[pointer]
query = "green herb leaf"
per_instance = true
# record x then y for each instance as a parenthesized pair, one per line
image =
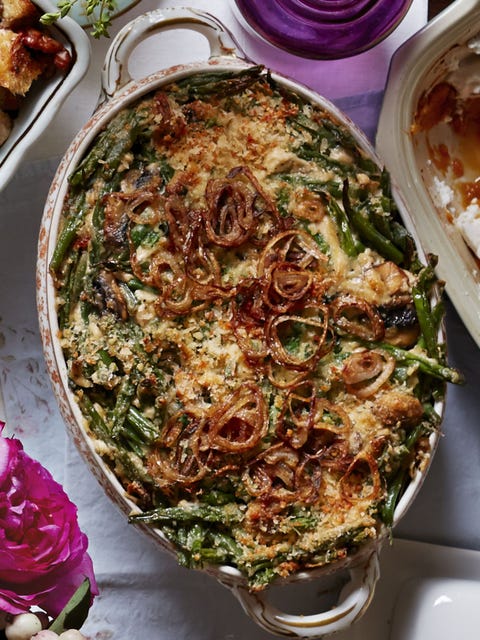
(75, 612)
(100, 12)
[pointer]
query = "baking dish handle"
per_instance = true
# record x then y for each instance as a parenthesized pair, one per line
(353, 600)
(115, 73)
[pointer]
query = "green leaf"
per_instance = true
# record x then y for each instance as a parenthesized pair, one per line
(75, 612)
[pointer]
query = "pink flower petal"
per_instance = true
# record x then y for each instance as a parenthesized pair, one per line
(43, 552)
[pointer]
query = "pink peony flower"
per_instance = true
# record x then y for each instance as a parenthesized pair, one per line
(43, 553)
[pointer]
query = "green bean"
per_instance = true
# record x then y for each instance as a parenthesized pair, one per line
(426, 320)
(129, 297)
(318, 186)
(225, 543)
(304, 521)
(216, 497)
(129, 462)
(110, 148)
(122, 406)
(143, 234)
(303, 123)
(212, 555)
(65, 239)
(400, 478)
(132, 443)
(221, 84)
(385, 217)
(74, 276)
(64, 292)
(78, 278)
(309, 151)
(438, 311)
(97, 245)
(395, 232)
(368, 232)
(263, 575)
(96, 423)
(105, 357)
(195, 542)
(425, 364)
(196, 537)
(190, 513)
(144, 428)
(326, 130)
(348, 242)
(134, 284)
(396, 486)
(166, 170)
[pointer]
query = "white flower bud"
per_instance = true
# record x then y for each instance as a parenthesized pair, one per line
(23, 626)
(46, 634)
(72, 634)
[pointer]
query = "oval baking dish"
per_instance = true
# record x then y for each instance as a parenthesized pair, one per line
(203, 467)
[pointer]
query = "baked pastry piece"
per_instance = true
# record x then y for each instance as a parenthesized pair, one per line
(27, 52)
(18, 67)
(16, 14)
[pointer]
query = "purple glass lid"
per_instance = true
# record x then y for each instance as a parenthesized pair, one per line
(323, 29)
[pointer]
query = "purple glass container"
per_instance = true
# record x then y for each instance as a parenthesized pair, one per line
(323, 29)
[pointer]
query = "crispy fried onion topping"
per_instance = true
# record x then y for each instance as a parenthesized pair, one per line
(295, 247)
(281, 316)
(297, 341)
(366, 371)
(184, 266)
(305, 419)
(315, 445)
(356, 317)
(281, 474)
(314, 438)
(237, 209)
(176, 458)
(277, 317)
(239, 423)
(362, 479)
(192, 444)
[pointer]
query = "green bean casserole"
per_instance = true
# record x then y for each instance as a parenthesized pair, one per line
(247, 325)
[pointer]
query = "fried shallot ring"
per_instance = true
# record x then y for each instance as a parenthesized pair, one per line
(354, 316)
(239, 422)
(176, 458)
(313, 345)
(366, 371)
(294, 246)
(362, 479)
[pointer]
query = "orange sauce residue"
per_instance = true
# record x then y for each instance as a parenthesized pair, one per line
(440, 156)
(443, 104)
(457, 168)
(435, 106)
(469, 191)
(467, 128)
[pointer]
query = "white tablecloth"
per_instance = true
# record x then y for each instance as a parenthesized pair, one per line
(144, 594)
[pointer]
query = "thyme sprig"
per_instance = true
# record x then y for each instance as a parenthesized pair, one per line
(100, 10)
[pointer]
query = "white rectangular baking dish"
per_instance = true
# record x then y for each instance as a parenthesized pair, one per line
(46, 96)
(430, 57)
